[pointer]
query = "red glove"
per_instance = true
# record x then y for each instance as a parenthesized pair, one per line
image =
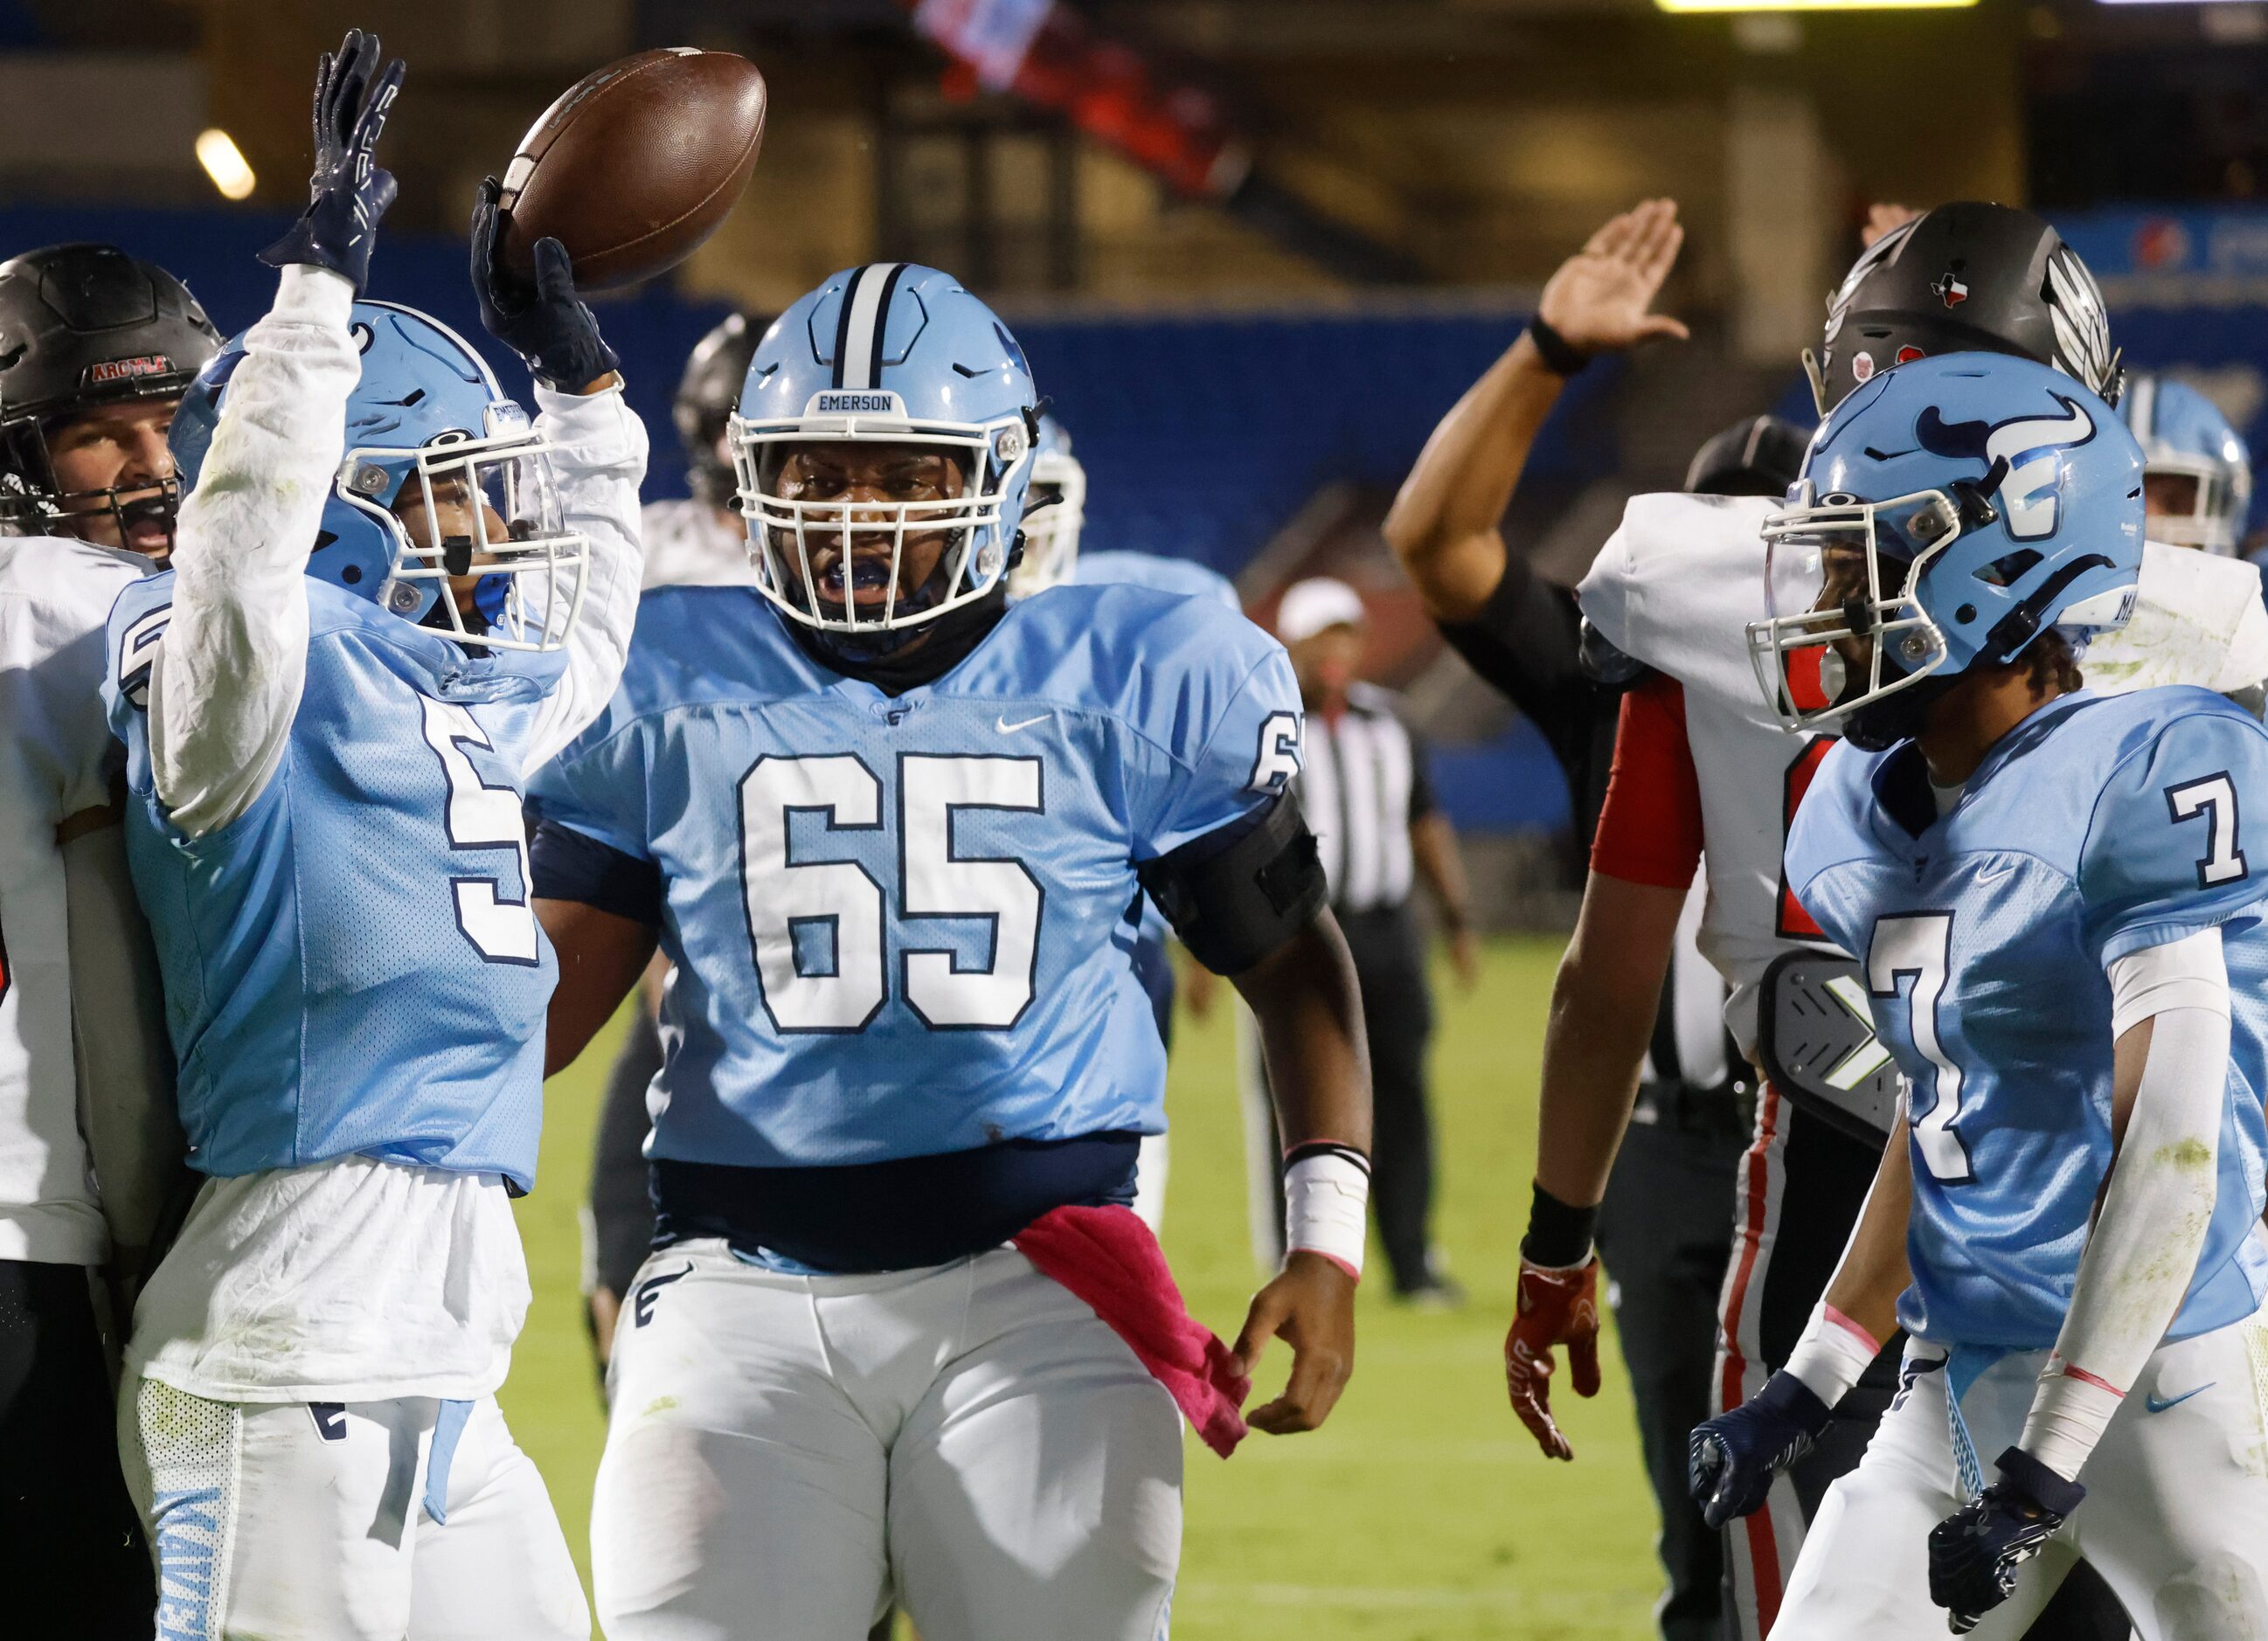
(1555, 1308)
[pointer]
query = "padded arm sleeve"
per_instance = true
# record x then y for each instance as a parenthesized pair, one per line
(227, 678)
(1236, 894)
(2143, 1252)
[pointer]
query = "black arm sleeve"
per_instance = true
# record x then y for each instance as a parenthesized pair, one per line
(1526, 641)
(1238, 892)
(567, 865)
(1423, 800)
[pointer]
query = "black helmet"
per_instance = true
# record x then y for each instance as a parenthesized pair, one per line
(1965, 278)
(1761, 455)
(707, 395)
(82, 326)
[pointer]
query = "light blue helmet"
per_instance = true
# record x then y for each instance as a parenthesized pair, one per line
(427, 428)
(1949, 511)
(896, 354)
(1057, 516)
(2199, 471)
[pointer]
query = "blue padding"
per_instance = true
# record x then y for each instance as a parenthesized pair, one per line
(1511, 783)
(1202, 433)
(448, 1427)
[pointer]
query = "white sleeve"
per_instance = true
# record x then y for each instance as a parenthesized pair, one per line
(124, 1059)
(600, 450)
(228, 674)
(2143, 1251)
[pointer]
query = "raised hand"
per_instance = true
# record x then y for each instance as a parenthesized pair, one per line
(1599, 301)
(346, 192)
(1885, 218)
(544, 321)
(1555, 1308)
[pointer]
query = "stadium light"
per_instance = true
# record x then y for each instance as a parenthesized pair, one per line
(224, 164)
(1814, 5)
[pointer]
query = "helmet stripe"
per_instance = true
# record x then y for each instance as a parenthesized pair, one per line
(2142, 414)
(865, 315)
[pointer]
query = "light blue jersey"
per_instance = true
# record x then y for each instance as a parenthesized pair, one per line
(2097, 827)
(1161, 574)
(351, 965)
(903, 925)
(1158, 572)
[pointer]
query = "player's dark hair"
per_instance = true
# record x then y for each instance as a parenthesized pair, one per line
(2050, 667)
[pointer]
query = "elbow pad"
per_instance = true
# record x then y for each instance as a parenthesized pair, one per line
(1236, 894)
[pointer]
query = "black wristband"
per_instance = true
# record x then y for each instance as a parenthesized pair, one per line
(1558, 1235)
(2043, 1486)
(1561, 356)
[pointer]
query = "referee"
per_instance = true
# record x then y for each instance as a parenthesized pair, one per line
(1363, 789)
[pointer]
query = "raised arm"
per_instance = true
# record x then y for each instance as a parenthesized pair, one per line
(226, 680)
(599, 450)
(1444, 524)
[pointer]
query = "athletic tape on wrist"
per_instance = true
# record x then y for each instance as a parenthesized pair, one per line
(1326, 1193)
(2070, 1411)
(1832, 1353)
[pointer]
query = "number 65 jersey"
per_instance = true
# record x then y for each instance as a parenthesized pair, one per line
(2098, 827)
(903, 924)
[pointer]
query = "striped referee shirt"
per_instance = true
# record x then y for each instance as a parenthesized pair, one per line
(1362, 784)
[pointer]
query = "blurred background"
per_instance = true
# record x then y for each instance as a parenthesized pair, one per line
(1255, 248)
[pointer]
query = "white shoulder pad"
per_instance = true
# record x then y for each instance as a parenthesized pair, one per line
(1678, 585)
(2198, 620)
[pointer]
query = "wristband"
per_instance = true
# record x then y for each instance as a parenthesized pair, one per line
(2070, 1411)
(1561, 356)
(1558, 1234)
(1832, 1353)
(1326, 1190)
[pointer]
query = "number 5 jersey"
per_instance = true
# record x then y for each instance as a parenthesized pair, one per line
(2097, 828)
(325, 827)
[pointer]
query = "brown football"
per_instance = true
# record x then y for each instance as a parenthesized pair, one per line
(635, 164)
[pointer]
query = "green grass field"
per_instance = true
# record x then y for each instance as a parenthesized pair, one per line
(1422, 1513)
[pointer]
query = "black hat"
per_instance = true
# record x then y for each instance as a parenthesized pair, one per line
(82, 326)
(1968, 278)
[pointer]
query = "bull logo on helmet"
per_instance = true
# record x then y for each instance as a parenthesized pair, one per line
(2021, 459)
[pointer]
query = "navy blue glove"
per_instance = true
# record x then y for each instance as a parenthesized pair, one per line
(347, 194)
(1734, 1457)
(1975, 1553)
(546, 323)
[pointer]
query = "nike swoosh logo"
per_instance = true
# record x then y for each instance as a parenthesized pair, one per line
(1006, 728)
(1993, 874)
(2155, 1405)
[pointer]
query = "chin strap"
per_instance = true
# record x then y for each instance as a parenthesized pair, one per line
(917, 656)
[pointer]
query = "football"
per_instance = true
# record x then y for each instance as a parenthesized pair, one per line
(635, 164)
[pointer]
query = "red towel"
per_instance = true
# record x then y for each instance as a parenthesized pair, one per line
(1108, 1258)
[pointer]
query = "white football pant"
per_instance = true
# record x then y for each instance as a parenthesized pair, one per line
(786, 1454)
(2175, 1517)
(290, 1519)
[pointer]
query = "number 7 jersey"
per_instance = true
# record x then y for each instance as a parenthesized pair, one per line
(2098, 827)
(903, 925)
